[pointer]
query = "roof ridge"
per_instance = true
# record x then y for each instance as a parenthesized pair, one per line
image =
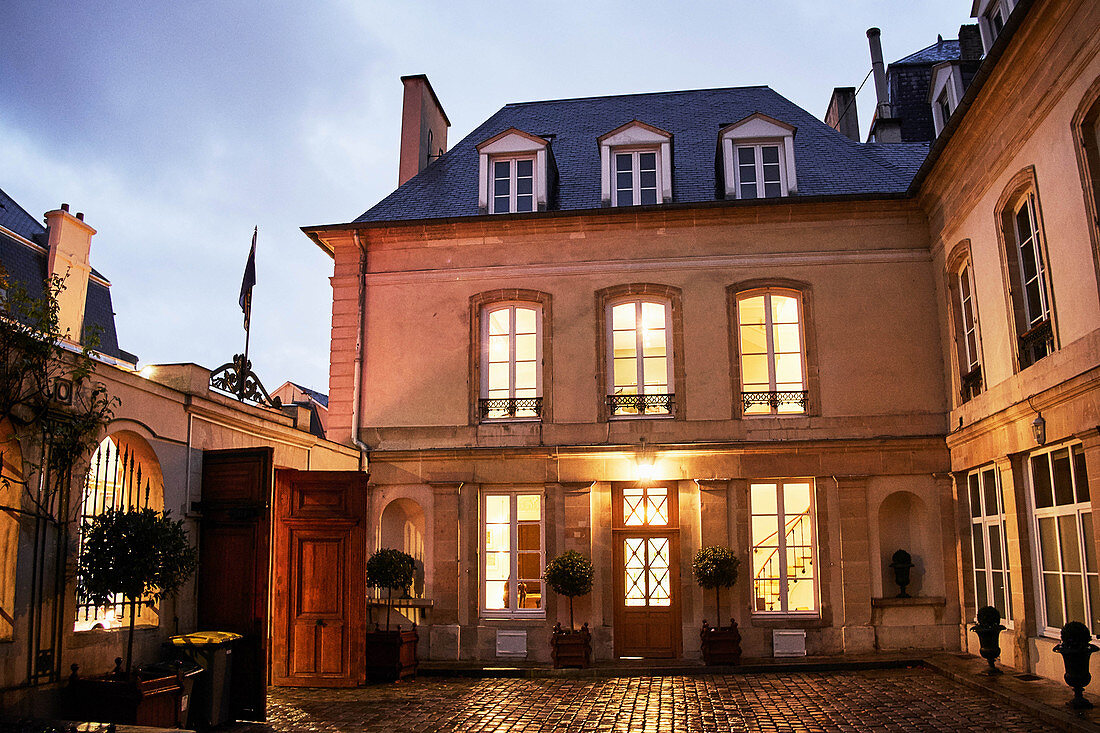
(25, 213)
(905, 59)
(635, 94)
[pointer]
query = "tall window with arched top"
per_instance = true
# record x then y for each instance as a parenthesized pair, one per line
(511, 360)
(124, 473)
(1086, 133)
(1025, 251)
(772, 352)
(640, 366)
(964, 321)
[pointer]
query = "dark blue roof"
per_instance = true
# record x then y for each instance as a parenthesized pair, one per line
(827, 162)
(938, 52)
(319, 397)
(28, 265)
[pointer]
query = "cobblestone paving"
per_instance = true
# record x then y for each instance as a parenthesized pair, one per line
(879, 700)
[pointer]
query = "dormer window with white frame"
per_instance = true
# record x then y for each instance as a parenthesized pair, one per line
(635, 165)
(513, 173)
(757, 154)
(944, 92)
(992, 17)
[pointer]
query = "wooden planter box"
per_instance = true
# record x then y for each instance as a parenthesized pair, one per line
(109, 698)
(391, 655)
(721, 646)
(571, 648)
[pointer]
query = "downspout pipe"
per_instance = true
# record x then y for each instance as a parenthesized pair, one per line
(357, 378)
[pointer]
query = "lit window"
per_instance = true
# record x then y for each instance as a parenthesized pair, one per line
(636, 178)
(645, 506)
(513, 555)
(759, 171)
(123, 474)
(646, 560)
(970, 368)
(1067, 546)
(772, 352)
(511, 361)
(640, 358)
(992, 585)
(513, 185)
(1036, 338)
(783, 547)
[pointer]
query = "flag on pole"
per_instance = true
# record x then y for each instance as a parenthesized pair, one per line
(248, 281)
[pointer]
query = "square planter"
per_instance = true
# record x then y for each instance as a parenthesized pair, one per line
(721, 646)
(156, 701)
(391, 655)
(571, 648)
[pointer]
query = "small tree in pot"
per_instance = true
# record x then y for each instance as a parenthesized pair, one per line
(391, 655)
(143, 556)
(570, 574)
(716, 567)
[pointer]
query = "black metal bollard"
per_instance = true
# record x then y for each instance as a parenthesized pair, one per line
(988, 629)
(1076, 650)
(902, 563)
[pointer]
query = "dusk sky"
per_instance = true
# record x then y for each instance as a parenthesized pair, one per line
(177, 127)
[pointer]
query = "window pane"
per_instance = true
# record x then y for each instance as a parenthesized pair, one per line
(527, 538)
(787, 339)
(748, 191)
(1063, 482)
(498, 348)
(1089, 541)
(626, 373)
(525, 203)
(625, 198)
(526, 347)
(995, 559)
(1094, 602)
(497, 510)
(526, 320)
(648, 196)
(1075, 598)
(496, 594)
(975, 496)
(498, 321)
(526, 375)
(1000, 598)
(623, 316)
(765, 530)
(751, 310)
(497, 565)
(525, 168)
(788, 368)
(1052, 596)
(979, 548)
(784, 309)
(624, 181)
(753, 340)
(501, 169)
(624, 344)
(1080, 476)
(498, 376)
(647, 161)
(530, 591)
(656, 372)
(1040, 475)
(746, 157)
(524, 186)
(765, 561)
(501, 205)
(769, 154)
(796, 499)
(771, 175)
(623, 162)
(653, 343)
(1048, 544)
(981, 595)
(772, 190)
(755, 370)
(1071, 550)
(648, 179)
(762, 499)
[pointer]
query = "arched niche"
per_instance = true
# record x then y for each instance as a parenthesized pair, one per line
(903, 522)
(11, 490)
(402, 528)
(123, 473)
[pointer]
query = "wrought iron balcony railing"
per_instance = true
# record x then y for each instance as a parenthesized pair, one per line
(509, 408)
(971, 384)
(1036, 343)
(641, 404)
(774, 399)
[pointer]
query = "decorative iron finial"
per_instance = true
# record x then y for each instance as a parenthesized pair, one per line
(237, 379)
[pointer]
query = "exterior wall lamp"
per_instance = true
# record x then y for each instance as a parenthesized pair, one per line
(644, 463)
(1039, 429)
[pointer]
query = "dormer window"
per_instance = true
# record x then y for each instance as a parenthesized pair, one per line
(992, 17)
(636, 165)
(944, 92)
(757, 156)
(514, 171)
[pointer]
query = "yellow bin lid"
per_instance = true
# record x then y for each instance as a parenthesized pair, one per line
(205, 638)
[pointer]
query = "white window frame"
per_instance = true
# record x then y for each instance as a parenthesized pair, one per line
(968, 307)
(782, 549)
(982, 522)
(769, 334)
(628, 138)
(635, 174)
(670, 384)
(758, 158)
(984, 11)
(484, 390)
(511, 145)
(758, 129)
(513, 167)
(1076, 510)
(1035, 242)
(513, 544)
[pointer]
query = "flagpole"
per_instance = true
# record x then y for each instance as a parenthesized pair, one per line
(242, 377)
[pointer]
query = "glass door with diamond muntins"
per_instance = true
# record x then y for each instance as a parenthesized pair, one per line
(646, 537)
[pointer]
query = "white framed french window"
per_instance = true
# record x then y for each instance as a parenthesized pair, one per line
(988, 540)
(637, 176)
(1029, 258)
(759, 170)
(1067, 581)
(512, 553)
(512, 185)
(639, 357)
(772, 350)
(511, 361)
(784, 547)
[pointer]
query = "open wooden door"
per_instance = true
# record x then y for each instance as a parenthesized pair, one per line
(318, 598)
(233, 566)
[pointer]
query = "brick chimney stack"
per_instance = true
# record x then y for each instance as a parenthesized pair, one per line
(69, 241)
(970, 43)
(841, 114)
(423, 127)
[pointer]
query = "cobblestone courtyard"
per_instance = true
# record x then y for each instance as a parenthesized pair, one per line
(894, 700)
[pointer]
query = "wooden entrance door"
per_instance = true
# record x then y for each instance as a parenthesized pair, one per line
(318, 598)
(647, 571)
(233, 566)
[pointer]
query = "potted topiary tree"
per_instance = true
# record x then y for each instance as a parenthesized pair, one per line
(570, 574)
(716, 567)
(391, 654)
(143, 556)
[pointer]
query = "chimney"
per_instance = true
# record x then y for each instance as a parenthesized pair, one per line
(841, 114)
(879, 70)
(423, 127)
(69, 240)
(970, 43)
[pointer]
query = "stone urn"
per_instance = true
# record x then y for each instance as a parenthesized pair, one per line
(1076, 650)
(902, 565)
(988, 629)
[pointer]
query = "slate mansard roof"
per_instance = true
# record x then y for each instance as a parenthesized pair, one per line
(27, 265)
(828, 163)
